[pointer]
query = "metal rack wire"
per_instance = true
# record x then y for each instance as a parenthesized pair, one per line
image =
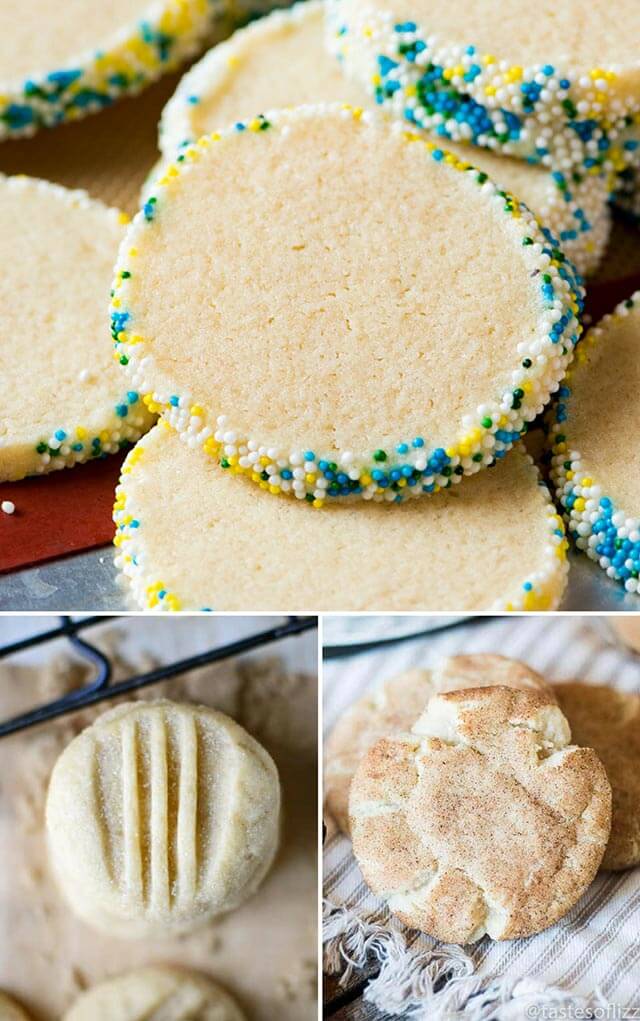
(101, 686)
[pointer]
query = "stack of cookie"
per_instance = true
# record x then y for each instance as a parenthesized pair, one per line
(470, 810)
(339, 310)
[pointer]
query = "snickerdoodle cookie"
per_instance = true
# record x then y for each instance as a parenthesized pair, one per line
(482, 820)
(393, 707)
(609, 722)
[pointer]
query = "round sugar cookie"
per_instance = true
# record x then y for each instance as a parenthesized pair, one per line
(595, 465)
(554, 82)
(10, 1010)
(169, 994)
(59, 62)
(277, 61)
(609, 722)
(484, 820)
(394, 706)
(282, 61)
(159, 817)
(64, 399)
(215, 542)
(362, 356)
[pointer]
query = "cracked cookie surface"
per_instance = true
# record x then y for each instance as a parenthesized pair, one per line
(484, 819)
(393, 707)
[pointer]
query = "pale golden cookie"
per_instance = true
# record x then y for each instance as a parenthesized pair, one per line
(217, 543)
(519, 78)
(378, 341)
(484, 819)
(282, 61)
(156, 994)
(609, 722)
(159, 816)
(395, 705)
(64, 398)
(60, 61)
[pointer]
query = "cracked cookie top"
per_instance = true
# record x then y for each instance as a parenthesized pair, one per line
(393, 707)
(484, 819)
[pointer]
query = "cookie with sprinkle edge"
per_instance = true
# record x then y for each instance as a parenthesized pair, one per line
(464, 548)
(594, 468)
(342, 384)
(484, 819)
(282, 61)
(65, 398)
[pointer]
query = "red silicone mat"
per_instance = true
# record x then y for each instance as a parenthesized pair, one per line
(56, 514)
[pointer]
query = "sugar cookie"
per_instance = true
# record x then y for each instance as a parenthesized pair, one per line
(609, 722)
(554, 83)
(281, 61)
(484, 819)
(164, 993)
(160, 816)
(64, 399)
(373, 361)
(214, 542)
(595, 465)
(395, 705)
(62, 61)
(10, 1010)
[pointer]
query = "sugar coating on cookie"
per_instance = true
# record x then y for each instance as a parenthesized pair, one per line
(553, 82)
(10, 1010)
(169, 994)
(65, 399)
(390, 708)
(377, 341)
(160, 816)
(484, 819)
(394, 706)
(595, 468)
(61, 61)
(609, 722)
(282, 61)
(495, 542)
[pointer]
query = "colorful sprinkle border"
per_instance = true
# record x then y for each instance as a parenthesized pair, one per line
(541, 591)
(169, 33)
(561, 117)
(597, 524)
(412, 467)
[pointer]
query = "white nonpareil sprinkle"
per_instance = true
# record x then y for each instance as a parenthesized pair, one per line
(7, 507)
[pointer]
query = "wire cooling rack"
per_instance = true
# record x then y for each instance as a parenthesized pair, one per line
(101, 687)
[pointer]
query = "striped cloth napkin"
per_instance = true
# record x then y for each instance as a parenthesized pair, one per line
(586, 966)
